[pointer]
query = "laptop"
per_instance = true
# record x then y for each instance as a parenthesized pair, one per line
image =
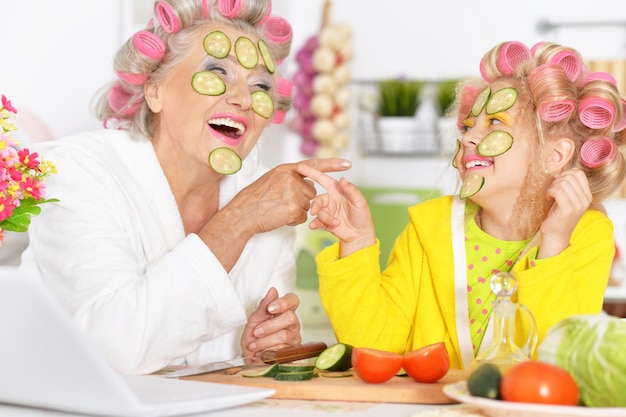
(47, 362)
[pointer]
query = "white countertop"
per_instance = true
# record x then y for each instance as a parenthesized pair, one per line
(275, 408)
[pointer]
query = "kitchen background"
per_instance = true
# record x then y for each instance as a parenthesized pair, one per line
(55, 55)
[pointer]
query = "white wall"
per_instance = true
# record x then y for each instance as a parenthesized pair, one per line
(56, 54)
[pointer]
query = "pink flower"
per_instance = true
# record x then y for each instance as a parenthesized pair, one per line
(6, 207)
(32, 187)
(6, 104)
(28, 159)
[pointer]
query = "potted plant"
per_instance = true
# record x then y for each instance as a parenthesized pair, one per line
(398, 101)
(446, 125)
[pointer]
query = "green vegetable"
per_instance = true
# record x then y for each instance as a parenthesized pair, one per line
(217, 44)
(591, 349)
(472, 184)
(485, 381)
(262, 104)
(337, 357)
(295, 376)
(501, 100)
(270, 371)
(481, 100)
(246, 52)
(495, 143)
(224, 161)
(208, 83)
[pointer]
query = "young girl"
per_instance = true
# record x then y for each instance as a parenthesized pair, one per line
(538, 152)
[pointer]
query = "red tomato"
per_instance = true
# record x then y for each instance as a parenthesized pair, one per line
(375, 366)
(539, 382)
(427, 364)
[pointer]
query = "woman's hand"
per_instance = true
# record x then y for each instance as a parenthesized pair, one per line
(342, 211)
(273, 325)
(572, 197)
(281, 197)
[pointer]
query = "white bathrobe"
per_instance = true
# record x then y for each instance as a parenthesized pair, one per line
(114, 252)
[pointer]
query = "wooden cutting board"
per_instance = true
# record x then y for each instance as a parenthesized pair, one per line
(396, 390)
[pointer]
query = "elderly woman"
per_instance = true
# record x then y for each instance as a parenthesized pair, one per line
(168, 244)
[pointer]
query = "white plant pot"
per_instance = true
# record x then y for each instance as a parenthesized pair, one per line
(398, 134)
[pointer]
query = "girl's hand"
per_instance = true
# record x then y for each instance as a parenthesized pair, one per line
(273, 325)
(572, 197)
(342, 211)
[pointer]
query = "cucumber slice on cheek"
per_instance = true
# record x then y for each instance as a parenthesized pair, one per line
(224, 161)
(262, 104)
(495, 143)
(208, 83)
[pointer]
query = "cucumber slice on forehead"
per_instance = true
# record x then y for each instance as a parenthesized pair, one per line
(262, 104)
(246, 52)
(224, 161)
(268, 59)
(472, 184)
(501, 100)
(495, 143)
(481, 100)
(217, 44)
(208, 83)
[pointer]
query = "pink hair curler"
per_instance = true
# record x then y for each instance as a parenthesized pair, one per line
(621, 125)
(570, 62)
(512, 54)
(167, 17)
(149, 45)
(229, 8)
(596, 152)
(121, 102)
(483, 73)
(599, 75)
(557, 110)
(279, 117)
(534, 48)
(596, 112)
(278, 30)
(284, 87)
(130, 78)
(206, 9)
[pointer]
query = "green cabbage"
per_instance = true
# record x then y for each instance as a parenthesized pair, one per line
(592, 348)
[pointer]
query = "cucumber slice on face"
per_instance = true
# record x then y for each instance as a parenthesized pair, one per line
(217, 44)
(268, 59)
(224, 161)
(495, 143)
(456, 153)
(501, 100)
(481, 100)
(208, 83)
(337, 357)
(262, 104)
(472, 184)
(246, 52)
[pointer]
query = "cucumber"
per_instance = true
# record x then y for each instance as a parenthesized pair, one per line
(262, 104)
(217, 44)
(501, 100)
(208, 83)
(472, 184)
(456, 153)
(295, 376)
(337, 357)
(485, 381)
(246, 52)
(285, 367)
(481, 100)
(224, 161)
(495, 143)
(268, 59)
(270, 372)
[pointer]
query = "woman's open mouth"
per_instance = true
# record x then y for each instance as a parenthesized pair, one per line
(227, 129)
